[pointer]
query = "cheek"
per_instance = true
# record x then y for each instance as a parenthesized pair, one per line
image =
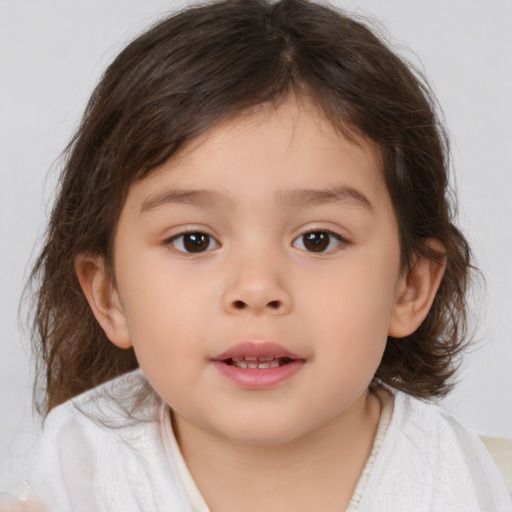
(360, 292)
(162, 311)
(352, 345)
(165, 341)
(352, 310)
(155, 289)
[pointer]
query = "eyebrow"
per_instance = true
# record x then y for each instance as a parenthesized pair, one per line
(344, 194)
(292, 197)
(193, 197)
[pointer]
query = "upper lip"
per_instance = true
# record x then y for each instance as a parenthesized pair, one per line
(259, 350)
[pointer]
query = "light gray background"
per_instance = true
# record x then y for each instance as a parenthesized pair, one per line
(52, 53)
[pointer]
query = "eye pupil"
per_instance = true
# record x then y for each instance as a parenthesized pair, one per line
(316, 241)
(196, 242)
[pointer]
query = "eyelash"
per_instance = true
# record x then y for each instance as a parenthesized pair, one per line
(320, 246)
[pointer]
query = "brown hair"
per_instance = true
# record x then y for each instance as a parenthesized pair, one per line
(202, 66)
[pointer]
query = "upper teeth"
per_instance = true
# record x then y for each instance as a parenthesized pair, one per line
(255, 362)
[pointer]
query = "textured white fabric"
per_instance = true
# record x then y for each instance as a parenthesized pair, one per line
(95, 458)
(430, 462)
(386, 410)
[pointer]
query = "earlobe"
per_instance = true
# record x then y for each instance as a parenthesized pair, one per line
(103, 298)
(416, 292)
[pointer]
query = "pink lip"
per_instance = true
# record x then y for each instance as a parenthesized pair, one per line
(258, 378)
(253, 349)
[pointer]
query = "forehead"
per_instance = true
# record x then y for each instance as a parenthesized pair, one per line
(267, 153)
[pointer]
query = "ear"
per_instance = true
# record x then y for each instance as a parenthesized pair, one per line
(416, 291)
(99, 289)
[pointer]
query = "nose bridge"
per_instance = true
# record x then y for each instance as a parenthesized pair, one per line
(256, 281)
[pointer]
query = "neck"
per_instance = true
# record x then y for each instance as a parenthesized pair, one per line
(317, 471)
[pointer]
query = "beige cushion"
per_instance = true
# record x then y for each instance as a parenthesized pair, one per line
(501, 451)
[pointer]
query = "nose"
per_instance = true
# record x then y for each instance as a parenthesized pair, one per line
(256, 287)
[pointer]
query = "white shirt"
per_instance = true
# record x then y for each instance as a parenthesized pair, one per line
(96, 458)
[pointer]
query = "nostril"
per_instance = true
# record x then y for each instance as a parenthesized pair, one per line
(239, 304)
(274, 304)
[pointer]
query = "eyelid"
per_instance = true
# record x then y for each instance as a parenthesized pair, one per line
(178, 231)
(334, 231)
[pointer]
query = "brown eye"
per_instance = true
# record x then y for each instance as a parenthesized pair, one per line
(193, 242)
(318, 241)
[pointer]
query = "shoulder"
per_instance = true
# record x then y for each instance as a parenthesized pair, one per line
(429, 457)
(105, 415)
(105, 448)
(117, 404)
(116, 418)
(430, 425)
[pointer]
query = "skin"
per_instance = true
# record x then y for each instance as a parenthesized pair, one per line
(302, 444)
(19, 506)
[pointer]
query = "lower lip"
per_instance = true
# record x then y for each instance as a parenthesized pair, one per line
(258, 378)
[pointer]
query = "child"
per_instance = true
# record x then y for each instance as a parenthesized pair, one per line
(251, 276)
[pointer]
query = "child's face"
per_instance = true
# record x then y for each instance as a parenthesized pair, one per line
(292, 251)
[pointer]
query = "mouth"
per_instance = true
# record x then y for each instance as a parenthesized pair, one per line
(258, 365)
(251, 362)
(251, 355)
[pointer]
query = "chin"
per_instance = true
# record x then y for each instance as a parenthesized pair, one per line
(260, 432)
